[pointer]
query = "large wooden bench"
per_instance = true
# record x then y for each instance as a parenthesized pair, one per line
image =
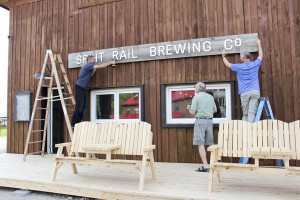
(117, 141)
(294, 128)
(264, 139)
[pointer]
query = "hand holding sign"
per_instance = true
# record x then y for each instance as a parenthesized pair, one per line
(113, 63)
(224, 54)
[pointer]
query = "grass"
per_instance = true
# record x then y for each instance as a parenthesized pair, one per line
(3, 131)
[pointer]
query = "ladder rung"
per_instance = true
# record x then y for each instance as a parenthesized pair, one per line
(59, 99)
(68, 93)
(56, 88)
(40, 141)
(43, 98)
(35, 152)
(39, 119)
(41, 108)
(51, 97)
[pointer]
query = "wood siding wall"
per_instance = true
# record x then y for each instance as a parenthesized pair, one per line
(58, 25)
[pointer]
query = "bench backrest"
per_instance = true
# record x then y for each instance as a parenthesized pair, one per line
(85, 133)
(295, 139)
(131, 136)
(237, 137)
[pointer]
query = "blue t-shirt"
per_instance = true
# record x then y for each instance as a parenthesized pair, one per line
(247, 75)
(85, 75)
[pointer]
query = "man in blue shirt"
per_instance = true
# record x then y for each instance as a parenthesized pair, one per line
(85, 74)
(248, 83)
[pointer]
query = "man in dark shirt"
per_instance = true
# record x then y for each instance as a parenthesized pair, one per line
(86, 72)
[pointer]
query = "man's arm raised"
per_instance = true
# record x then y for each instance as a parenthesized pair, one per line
(260, 52)
(103, 65)
(226, 62)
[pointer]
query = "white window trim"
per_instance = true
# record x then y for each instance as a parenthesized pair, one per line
(170, 89)
(116, 92)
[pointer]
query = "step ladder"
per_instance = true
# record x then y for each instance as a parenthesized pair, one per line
(53, 71)
(264, 103)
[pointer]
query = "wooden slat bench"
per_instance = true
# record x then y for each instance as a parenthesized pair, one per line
(109, 138)
(265, 139)
(294, 128)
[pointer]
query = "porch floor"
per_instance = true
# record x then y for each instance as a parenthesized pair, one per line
(174, 181)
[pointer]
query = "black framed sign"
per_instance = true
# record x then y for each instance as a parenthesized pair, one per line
(22, 111)
(176, 96)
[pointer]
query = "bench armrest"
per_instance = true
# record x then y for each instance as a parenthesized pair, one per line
(149, 148)
(212, 148)
(60, 145)
(101, 147)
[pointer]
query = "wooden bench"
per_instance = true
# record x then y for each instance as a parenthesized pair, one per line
(294, 128)
(109, 138)
(265, 139)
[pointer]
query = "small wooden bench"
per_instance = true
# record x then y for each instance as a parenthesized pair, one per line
(264, 139)
(109, 138)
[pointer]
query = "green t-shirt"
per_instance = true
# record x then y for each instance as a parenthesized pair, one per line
(204, 104)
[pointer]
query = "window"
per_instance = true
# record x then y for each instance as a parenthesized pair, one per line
(116, 104)
(176, 97)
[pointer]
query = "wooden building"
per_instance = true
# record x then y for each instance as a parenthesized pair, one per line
(71, 26)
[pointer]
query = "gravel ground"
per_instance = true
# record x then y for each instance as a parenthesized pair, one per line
(11, 194)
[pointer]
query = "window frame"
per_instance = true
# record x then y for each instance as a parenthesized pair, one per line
(116, 91)
(166, 102)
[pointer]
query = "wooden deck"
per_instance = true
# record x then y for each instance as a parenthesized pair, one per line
(175, 181)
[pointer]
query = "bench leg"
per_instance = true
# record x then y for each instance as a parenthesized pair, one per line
(153, 172)
(256, 162)
(287, 164)
(108, 156)
(57, 165)
(142, 174)
(211, 176)
(74, 169)
(55, 170)
(218, 177)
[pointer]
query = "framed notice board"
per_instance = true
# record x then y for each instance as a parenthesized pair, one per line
(22, 106)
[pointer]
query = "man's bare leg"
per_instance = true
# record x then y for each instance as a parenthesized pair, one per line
(202, 153)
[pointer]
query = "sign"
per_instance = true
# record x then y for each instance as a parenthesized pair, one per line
(22, 106)
(169, 50)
